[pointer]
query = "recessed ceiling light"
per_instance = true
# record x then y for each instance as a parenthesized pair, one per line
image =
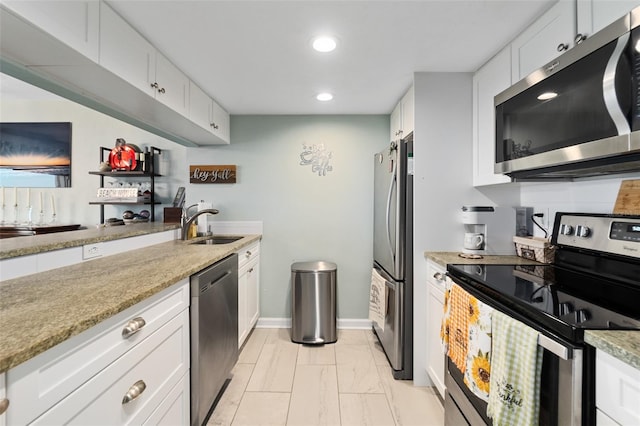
(324, 44)
(546, 96)
(324, 97)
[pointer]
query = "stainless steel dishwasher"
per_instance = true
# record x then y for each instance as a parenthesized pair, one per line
(214, 333)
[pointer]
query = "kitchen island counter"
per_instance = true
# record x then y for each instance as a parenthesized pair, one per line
(33, 244)
(41, 310)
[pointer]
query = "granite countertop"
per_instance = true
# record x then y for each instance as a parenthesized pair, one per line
(450, 257)
(31, 323)
(22, 246)
(622, 344)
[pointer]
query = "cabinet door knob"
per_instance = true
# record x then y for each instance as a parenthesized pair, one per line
(248, 253)
(154, 85)
(161, 90)
(134, 391)
(4, 404)
(214, 125)
(250, 270)
(562, 47)
(133, 327)
(438, 276)
(580, 38)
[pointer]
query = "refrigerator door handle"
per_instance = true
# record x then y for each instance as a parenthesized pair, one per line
(389, 197)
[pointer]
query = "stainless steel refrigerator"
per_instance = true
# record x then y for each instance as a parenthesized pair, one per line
(393, 252)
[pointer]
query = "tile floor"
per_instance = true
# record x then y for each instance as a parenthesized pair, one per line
(278, 382)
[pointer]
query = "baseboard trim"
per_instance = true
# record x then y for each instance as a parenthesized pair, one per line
(343, 323)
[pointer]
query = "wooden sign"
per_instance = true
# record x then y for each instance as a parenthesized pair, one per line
(212, 174)
(628, 201)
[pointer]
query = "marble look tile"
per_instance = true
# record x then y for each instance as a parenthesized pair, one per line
(364, 410)
(352, 337)
(253, 346)
(274, 369)
(411, 405)
(316, 355)
(314, 399)
(228, 405)
(357, 371)
(262, 409)
(379, 357)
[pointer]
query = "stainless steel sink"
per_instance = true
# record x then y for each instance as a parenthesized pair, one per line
(216, 239)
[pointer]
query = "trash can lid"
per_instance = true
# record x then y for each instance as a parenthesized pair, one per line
(319, 266)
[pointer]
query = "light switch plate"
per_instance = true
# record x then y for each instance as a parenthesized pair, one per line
(90, 251)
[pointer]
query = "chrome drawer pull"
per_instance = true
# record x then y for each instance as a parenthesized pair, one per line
(134, 392)
(248, 254)
(4, 404)
(438, 276)
(133, 327)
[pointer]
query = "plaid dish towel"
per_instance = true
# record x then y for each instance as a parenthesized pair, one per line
(458, 326)
(516, 362)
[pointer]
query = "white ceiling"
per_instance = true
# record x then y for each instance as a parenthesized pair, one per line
(254, 57)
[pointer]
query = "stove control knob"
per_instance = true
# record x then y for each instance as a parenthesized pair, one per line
(582, 315)
(566, 229)
(583, 231)
(565, 308)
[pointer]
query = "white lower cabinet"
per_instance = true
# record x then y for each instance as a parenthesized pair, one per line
(435, 304)
(174, 408)
(248, 290)
(617, 391)
(3, 400)
(143, 350)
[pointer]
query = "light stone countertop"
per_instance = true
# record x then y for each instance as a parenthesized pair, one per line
(444, 258)
(622, 344)
(41, 310)
(22, 246)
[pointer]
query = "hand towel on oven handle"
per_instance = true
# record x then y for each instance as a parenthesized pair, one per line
(516, 363)
(377, 299)
(470, 326)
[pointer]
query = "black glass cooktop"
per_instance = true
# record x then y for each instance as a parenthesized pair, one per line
(553, 299)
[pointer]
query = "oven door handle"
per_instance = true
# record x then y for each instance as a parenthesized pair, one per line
(556, 348)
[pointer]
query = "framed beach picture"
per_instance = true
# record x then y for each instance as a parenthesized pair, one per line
(35, 155)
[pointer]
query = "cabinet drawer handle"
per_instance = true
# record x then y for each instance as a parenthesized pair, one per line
(250, 270)
(248, 254)
(562, 47)
(133, 326)
(134, 392)
(438, 276)
(4, 404)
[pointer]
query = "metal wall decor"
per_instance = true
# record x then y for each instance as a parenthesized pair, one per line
(317, 157)
(212, 174)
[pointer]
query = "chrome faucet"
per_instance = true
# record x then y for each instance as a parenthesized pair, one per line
(187, 221)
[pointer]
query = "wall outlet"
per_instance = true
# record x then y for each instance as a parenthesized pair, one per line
(90, 251)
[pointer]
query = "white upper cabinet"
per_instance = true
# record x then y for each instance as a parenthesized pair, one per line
(491, 79)
(126, 53)
(171, 85)
(396, 123)
(74, 22)
(206, 113)
(408, 113)
(547, 38)
(594, 15)
(402, 117)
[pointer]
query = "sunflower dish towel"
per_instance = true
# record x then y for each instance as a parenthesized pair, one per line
(516, 362)
(478, 371)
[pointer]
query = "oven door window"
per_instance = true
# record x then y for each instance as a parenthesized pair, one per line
(535, 121)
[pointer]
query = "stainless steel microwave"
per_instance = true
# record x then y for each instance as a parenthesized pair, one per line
(577, 116)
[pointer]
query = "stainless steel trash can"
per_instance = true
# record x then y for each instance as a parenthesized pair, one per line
(313, 302)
